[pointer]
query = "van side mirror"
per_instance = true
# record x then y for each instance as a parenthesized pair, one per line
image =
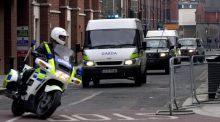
(78, 48)
(144, 45)
(171, 47)
(179, 46)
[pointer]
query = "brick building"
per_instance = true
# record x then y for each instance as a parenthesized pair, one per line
(159, 13)
(207, 20)
(151, 13)
(26, 20)
(171, 14)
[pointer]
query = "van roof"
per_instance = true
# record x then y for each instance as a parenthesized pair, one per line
(128, 23)
(156, 38)
(156, 33)
(188, 38)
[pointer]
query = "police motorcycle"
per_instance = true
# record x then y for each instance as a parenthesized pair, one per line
(44, 86)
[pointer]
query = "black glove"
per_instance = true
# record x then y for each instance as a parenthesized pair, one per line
(41, 56)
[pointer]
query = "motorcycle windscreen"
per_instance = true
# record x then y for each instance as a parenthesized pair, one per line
(63, 58)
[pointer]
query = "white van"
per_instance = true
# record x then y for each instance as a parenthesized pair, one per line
(114, 48)
(172, 35)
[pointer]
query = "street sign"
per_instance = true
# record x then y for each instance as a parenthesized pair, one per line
(22, 41)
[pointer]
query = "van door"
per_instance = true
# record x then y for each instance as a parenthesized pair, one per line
(142, 53)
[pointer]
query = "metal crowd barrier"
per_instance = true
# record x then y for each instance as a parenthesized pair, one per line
(174, 108)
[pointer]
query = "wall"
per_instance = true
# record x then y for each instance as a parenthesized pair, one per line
(208, 30)
(2, 37)
(187, 17)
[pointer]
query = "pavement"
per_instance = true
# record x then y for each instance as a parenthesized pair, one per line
(204, 107)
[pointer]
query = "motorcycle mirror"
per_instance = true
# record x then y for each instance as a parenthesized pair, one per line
(172, 47)
(179, 45)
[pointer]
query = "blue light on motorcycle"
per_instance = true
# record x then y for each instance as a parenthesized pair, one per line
(33, 42)
(79, 71)
(49, 56)
(9, 77)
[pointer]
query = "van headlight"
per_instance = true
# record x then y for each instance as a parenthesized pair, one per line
(61, 75)
(163, 54)
(89, 63)
(130, 62)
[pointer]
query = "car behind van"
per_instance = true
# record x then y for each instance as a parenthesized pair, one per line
(192, 46)
(114, 49)
(159, 51)
(172, 35)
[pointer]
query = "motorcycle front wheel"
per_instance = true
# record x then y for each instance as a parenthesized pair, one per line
(16, 108)
(48, 103)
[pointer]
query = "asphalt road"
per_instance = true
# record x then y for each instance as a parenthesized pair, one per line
(118, 100)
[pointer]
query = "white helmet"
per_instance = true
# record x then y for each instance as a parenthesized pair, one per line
(59, 35)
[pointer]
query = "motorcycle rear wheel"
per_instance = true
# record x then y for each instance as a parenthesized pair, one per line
(48, 104)
(16, 108)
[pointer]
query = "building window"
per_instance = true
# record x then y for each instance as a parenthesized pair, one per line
(168, 16)
(134, 5)
(134, 8)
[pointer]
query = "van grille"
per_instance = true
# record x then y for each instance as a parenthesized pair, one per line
(109, 63)
(184, 52)
(152, 55)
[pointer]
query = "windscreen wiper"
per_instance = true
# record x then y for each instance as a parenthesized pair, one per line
(104, 46)
(125, 45)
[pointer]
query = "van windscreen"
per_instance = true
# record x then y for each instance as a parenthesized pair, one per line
(157, 43)
(110, 38)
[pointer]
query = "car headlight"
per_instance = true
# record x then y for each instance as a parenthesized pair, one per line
(163, 54)
(191, 50)
(61, 75)
(130, 62)
(90, 63)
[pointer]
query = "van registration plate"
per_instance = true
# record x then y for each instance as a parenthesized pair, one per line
(109, 71)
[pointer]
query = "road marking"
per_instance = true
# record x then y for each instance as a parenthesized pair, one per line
(14, 119)
(124, 117)
(99, 117)
(80, 101)
(64, 118)
(71, 104)
(17, 118)
(117, 116)
(153, 116)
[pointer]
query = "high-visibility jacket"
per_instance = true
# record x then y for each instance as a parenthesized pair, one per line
(46, 50)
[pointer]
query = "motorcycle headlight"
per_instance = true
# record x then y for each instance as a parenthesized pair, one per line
(191, 50)
(61, 75)
(90, 63)
(130, 62)
(163, 54)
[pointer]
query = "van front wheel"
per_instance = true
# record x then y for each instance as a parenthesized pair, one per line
(167, 70)
(139, 79)
(96, 82)
(85, 82)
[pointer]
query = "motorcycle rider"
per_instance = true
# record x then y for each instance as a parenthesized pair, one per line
(45, 51)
